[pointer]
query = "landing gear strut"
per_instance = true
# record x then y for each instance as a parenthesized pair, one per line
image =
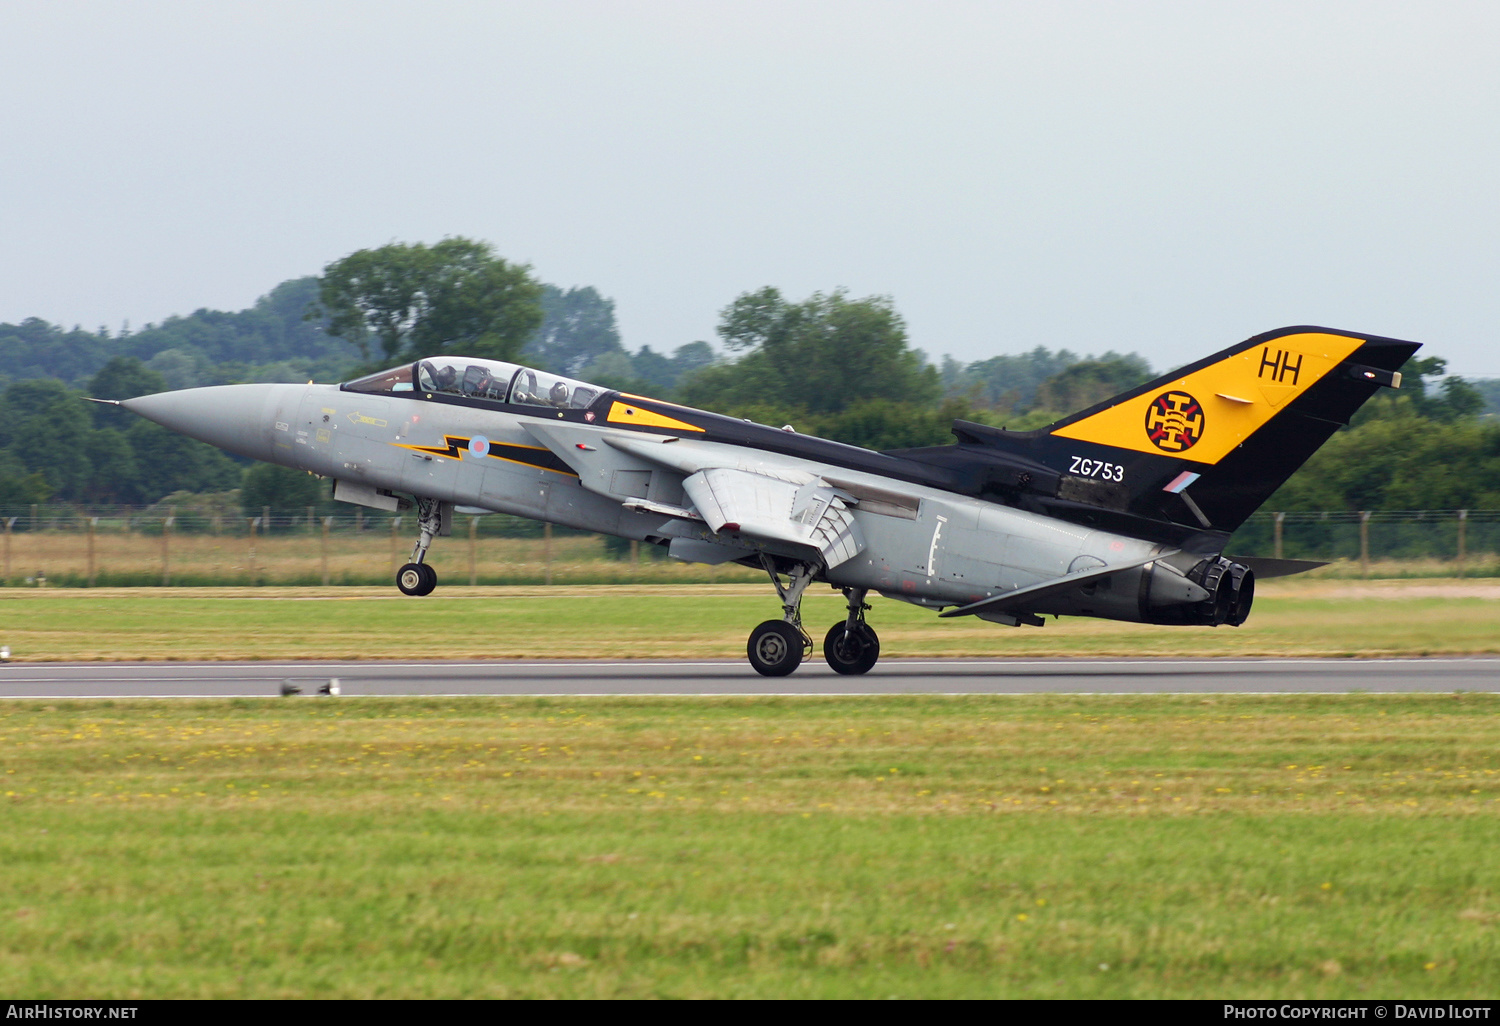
(416, 577)
(777, 647)
(852, 647)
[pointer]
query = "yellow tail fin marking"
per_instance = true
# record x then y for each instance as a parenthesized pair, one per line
(1204, 415)
(624, 413)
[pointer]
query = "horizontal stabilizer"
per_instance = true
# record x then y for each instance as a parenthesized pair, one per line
(1265, 566)
(1017, 600)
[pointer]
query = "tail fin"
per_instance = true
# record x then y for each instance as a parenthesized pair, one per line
(1201, 448)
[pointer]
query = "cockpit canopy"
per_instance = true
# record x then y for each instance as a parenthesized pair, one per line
(481, 379)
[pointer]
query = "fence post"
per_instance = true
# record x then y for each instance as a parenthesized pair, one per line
(547, 551)
(254, 522)
(1463, 523)
(33, 518)
(359, 520)
(473, 551)
(9, 523)
(166, 551)
(1280, 519)
(1364, 542)
(327, 521)
(93, 522)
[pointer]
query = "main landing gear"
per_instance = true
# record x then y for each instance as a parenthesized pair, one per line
(852, 647)
(416, 577)
(777, 647)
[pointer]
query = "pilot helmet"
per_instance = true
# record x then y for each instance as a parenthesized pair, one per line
(559, 393)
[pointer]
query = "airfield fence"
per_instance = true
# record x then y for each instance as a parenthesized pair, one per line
(98, 546)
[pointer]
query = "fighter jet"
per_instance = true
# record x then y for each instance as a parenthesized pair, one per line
(1121, 511)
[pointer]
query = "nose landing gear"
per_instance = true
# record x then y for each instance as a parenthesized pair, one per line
(434, 520)
(416, 579)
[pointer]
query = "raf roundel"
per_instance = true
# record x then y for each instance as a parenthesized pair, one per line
(1174, 421)
(479, 445)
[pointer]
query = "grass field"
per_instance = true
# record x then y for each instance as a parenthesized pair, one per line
(1034, 846)
(1291, 618)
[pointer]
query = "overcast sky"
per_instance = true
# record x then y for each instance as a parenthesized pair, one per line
(1168, 178)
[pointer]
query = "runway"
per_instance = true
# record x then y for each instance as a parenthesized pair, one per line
(727, 677)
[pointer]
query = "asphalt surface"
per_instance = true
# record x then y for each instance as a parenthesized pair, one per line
(642, 677)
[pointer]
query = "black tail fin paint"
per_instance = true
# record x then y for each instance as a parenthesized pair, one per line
(1194, 451)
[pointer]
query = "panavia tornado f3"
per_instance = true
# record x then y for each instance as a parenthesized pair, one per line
(1121, 511)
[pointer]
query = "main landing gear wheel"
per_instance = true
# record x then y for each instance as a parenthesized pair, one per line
(416, 579)
(851, 652)
(775, 648)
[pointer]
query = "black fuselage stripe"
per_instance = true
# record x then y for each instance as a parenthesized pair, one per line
(542, 458)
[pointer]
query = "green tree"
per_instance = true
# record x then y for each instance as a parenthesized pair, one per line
(415, 300)
(19, 487)
(282, 489)
(47, 429)
(114, 477)
(123, 377)
(888, 424)
(819, 355)
(36, 349)
(1452, 399)
(1007, 382)
(1082, 384)
(167, 462)
(578, 327)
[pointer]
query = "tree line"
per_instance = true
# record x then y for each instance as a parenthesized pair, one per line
(829, 364)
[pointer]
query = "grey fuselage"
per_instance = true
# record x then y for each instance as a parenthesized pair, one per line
(915, 541)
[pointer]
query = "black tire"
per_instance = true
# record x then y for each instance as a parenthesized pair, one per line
(855, 654)
(775, 648)
(430, 579)
(411, 579)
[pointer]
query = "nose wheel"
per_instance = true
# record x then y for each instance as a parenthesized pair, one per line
(433, 520)
(416, 579)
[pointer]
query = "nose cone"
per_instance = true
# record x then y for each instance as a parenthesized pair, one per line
(241, 419)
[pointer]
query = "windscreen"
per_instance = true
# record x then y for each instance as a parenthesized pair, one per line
(482, 379)
(397, 379)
